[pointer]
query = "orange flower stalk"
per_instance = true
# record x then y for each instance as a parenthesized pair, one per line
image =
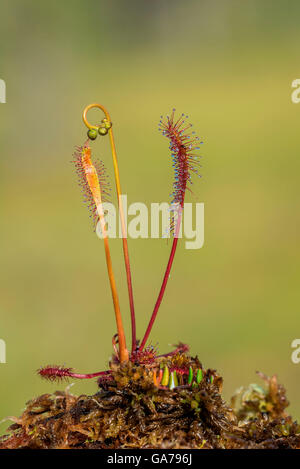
(106, 127)
(91, 181)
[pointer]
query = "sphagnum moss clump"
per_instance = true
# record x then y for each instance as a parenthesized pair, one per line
(130, 411)
(148, 400)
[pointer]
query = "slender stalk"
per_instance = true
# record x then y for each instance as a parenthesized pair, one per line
(121, 335)
(87, 375)
(125, 244)
(164, 282)
(121, 211)
(93, 182)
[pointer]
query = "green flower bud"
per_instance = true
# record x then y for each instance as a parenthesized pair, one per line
(102, 130)
(92, 134)
(106, 123)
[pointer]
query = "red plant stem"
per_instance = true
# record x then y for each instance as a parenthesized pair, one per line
(124, 237)
(165, 281)
(121, 211)
(130, 294)
(88, 375)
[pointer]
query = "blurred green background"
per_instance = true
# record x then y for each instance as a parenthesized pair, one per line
(229, 65)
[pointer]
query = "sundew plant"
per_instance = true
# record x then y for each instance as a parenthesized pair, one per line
(184, 146)
(145, 399)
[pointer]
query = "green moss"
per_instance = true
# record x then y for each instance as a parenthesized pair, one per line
(129, 411)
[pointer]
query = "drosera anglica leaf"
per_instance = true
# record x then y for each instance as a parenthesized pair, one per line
(56, 373)
(185, 162)
(183, 146)
(94, 185)
(98, 177)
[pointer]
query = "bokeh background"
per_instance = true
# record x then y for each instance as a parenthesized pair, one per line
(229, 65)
